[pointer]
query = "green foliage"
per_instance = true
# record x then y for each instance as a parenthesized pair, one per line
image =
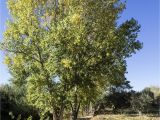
(11, 114)
(29, 118)
(62, 49)
(13, 105)
(117, 97)
(141, 101)
(155, 90)
(122, 99)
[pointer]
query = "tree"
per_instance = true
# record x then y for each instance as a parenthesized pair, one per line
(29, 54)
(155, 90)
(155, 95)
(141, 100)
(68, 49)
(116, 97)
(95, 54)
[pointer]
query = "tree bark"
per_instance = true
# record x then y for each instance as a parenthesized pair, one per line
(54, 115)
(75, 110)
(58, 113)
(74, 115)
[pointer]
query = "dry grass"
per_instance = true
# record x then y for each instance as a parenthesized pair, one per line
(124, 117)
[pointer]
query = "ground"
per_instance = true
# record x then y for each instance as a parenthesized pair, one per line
(125, 117)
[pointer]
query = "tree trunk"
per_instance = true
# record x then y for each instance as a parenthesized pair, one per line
(75, 108)
(75, 112)
(74, 115)
(139, 113)
(58, 113)
(54, 116)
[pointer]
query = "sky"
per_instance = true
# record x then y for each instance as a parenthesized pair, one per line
(4, 15)
(143, 67)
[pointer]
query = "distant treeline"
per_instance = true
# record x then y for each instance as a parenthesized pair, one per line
(119, 100)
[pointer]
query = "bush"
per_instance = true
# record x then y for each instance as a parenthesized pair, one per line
(12, 104)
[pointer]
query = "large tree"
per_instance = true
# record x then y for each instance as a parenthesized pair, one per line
(29, 54)
(95, 54)
(68, 51)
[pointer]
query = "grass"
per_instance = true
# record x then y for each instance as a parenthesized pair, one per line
(124, 117)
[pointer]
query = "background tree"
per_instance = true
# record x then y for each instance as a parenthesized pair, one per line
(140, 101)
(153, 107)
(117, 97)
(155, 90)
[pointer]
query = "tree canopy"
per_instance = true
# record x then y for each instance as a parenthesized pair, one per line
(68, 51)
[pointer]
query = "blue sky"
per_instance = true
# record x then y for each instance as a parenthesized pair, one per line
(4, 75)
(143, 67)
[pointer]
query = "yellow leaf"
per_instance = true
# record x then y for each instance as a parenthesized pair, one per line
(75, 19)
(66, 63)
(7, 60)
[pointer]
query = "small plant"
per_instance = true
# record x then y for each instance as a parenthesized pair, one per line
(19, 117)
(11, 114)
(29, 118)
